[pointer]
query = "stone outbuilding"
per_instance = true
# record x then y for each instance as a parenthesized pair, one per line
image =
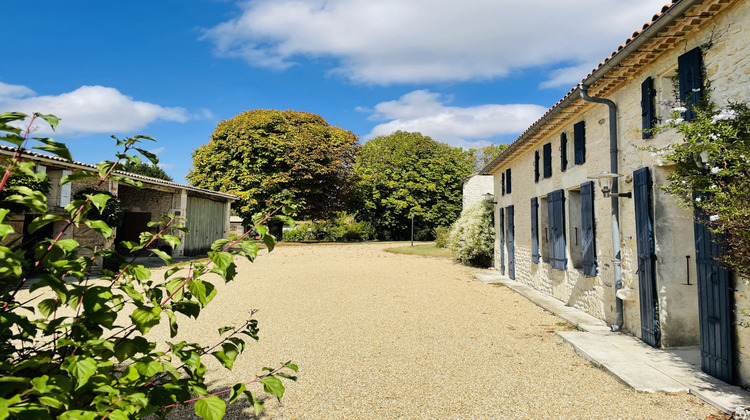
(475, 188)
(631, 259)
(207, 212)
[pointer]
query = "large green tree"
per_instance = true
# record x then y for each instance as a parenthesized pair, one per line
(404, 173)
(147, 169)
(259, 155)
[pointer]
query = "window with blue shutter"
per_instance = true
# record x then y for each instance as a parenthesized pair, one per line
(535, 230)
(547, 157)
(690, 80)
(648, 107)
(501, 223)
(507, 181)
(556, 211)
(563, 152)
(588, 234)
(579, 142)
(536, 166)
(502, 183)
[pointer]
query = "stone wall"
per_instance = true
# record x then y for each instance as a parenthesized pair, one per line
(727, 65)
(475, 186)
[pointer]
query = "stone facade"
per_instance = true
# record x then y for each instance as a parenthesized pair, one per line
(723, 32)
(475, 187)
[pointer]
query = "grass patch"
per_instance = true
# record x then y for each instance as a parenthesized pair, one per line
(568, 326)
(425, 250)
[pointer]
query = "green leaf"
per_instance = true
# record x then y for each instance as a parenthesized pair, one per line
(236, 391)
(57, 149)
(202, 290)
(78, 415)
(173, 327)
(11, 138)
(145, 318)
(10, 263)
(41, 221)
(149, 155)
(131, 292)
(77, 176)
(163, 255)
(125, 350)
(149, 369)
(210, 408)
(100, 226)
(47, 307)
(51, 120)
(291, 366)
(99, 201)
(5, 230)
(187, 308)
(257, 404)
(33, 200)
(270, 241)
(170, 272)
(67, 245)
(172, 240)
(222, 330)
(176, 285)
(250, 248)
(81, 367)
(273, 386)
(227, 355)
(261, 229)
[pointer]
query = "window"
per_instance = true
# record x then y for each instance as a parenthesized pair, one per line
(536, 166)
(556, 218)
(588, 235)
(691, 83)
(507, 181)
(563, 152)
(547, 156)
(535, 230)
(579, 140)
(502, 183)
(648, 107)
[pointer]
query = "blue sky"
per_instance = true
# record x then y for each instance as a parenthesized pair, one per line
(465, 72)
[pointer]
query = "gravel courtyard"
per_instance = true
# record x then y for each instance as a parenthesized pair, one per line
(378, 335)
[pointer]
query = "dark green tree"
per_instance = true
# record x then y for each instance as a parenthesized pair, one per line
(146, 169)
(262, 155)
(484, 155)
(404, 173)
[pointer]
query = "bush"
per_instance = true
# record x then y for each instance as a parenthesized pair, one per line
(441, 236)
(344, 227)
(472, 237)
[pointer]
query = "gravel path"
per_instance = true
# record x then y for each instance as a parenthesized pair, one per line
(379, 335)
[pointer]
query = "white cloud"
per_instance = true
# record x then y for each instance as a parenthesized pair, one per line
(89, 109)
(414, 41)
(427, 113)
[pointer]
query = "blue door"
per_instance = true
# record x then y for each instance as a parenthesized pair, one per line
(501, 220)
(644, 228)
(715, 300)
(511, 251)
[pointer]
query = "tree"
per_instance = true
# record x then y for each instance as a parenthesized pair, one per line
(146, 169)
(404, 173)
(485, 155)
(261, 155)
(79, 349)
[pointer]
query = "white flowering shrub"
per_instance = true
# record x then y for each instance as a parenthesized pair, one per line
(472, 236)
(712, 174)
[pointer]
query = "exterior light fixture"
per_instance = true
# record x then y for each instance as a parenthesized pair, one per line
(605, 183)
(490, 198)
(701, 159)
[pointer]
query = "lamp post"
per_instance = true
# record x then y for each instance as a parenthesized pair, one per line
(412, 228)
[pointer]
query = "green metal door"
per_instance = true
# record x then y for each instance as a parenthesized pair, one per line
(205, 221)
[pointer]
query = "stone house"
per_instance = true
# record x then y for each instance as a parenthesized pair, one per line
(207, 212)
(555, 226)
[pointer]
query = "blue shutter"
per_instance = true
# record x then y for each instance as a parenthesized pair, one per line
(556, 209)
(536, 166)
(507, 181)
(547, 156)
(648, 107)
(535, 230)
(579, 140)
(511, 243)
(501, 218)
(563, 152)
(691, 83)
(502, 183)
(588, 234)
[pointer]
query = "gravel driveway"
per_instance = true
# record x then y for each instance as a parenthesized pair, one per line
(379, 335)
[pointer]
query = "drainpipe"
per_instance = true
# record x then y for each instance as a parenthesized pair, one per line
(615, 200)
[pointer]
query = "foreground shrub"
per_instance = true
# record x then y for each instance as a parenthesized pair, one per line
(79, 349)
(472, 237)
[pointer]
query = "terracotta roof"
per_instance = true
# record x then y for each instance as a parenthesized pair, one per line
(9, 151)
(619, 73)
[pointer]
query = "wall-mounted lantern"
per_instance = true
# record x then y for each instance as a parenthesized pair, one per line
(490, 198)
(605, 183)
